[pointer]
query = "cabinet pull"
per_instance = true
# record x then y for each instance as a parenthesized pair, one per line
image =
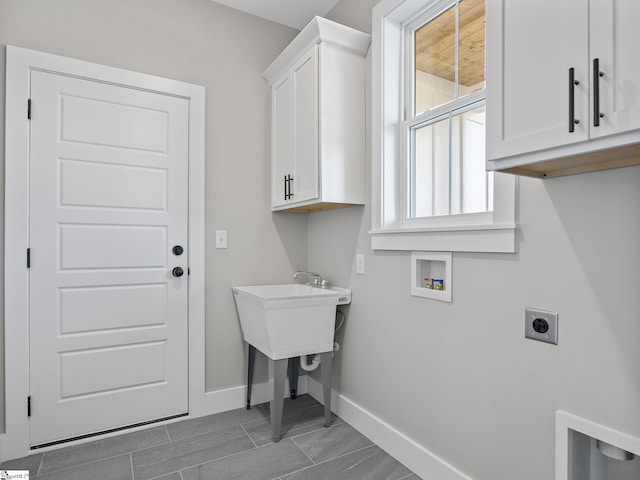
(597, 115)
(286, 182)
(287, 187)
(572, 94)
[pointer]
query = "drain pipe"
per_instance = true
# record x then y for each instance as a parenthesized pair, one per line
(315, 360)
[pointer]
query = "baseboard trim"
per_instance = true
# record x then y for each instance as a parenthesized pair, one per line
(232, 398)
(421, 461)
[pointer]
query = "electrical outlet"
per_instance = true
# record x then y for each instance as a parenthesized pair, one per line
(541, 325)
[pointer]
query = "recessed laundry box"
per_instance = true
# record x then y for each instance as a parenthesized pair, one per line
(586, 450)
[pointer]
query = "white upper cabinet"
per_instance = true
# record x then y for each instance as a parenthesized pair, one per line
(318, 119)
(563, 86)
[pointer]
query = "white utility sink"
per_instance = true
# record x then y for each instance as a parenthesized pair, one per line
(290, 320)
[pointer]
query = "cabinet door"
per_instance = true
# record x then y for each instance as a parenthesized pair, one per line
(614, 43)
(281, 145)
(531, 45)
(304, 75)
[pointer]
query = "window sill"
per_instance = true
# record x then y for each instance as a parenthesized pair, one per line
(482, 239)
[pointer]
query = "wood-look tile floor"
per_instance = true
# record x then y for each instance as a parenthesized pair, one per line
(233, 445)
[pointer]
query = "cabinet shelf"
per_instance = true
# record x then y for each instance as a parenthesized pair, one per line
(615, 157)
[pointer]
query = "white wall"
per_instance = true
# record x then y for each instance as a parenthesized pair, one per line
(460, 378)
(226, 51)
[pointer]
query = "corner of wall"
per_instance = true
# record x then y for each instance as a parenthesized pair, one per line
(421, 461)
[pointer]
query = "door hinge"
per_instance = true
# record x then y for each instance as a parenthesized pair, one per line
(28, 258)
(28, 406)
(29, 109)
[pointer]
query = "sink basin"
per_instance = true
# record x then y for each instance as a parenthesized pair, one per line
(284, 321)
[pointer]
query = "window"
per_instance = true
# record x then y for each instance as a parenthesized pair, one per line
(430, 187)
(444, 111)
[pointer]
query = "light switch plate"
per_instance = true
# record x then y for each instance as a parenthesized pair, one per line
(221, 239)
(360, 264)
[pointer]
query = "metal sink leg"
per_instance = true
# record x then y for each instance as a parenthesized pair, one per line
(277, 375)
(294, 368)
(250, 356)
(326, 364)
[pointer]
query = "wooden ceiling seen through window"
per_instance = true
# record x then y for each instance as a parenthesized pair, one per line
(435, 44)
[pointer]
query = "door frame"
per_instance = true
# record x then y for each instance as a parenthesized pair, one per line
(19, 64)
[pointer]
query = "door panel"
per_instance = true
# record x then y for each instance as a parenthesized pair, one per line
(528, 66)
(87, 120)
(109, 199)
(281, 149)
(91, 371)
(99, 308)
(91, 184)
(614, 42)
(305, 126)
(92, 246)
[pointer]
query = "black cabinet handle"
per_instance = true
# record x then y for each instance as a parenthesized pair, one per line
(286, 183)
(287, 187)
(572, 98)
(597, 115)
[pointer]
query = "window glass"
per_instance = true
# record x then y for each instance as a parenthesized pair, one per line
(447, 171)
(435, 62)
(476, 184)
(430, 176)
(446, 130)
(471, 57)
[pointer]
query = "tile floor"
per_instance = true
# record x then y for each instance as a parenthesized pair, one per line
(226, 446)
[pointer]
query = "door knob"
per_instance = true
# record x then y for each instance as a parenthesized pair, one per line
(177, 272)
(177, 250)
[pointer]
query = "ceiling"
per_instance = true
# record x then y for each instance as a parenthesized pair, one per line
(292, 13)
(436, 44)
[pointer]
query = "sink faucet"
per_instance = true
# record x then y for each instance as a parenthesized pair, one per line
(314, 278)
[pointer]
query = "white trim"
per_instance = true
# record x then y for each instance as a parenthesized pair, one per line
(19, 64)
(236, 397)
(566, 421)
(317, 30)
(499, 239)
(414, 456)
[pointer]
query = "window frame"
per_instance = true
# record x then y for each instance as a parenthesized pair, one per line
(494, 231)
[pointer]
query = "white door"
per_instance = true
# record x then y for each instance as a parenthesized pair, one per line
(108, 202)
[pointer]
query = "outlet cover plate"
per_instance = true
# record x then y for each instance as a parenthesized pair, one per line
(551, 335)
